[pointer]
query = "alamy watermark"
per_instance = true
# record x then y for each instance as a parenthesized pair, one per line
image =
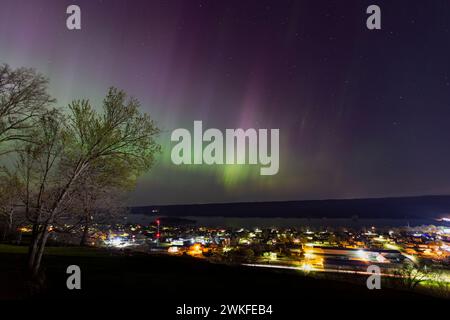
(73, 21)
(374, 280)
(74, 280)
(239, 146)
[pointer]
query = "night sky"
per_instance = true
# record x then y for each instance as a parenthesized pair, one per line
(361, 113)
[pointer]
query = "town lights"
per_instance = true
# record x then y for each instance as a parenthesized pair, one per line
(195, 249)
(307, 267)
(362, 255)
(173, 250)
(118, 242)
(309, 256)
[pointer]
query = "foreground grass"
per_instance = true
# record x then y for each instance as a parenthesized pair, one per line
(60, 251)
(112, 275)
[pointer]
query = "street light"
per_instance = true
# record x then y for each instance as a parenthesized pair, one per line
(158, 222)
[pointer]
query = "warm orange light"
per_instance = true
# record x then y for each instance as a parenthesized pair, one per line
(195, 250)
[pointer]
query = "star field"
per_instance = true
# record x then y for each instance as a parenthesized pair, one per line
(361, 113)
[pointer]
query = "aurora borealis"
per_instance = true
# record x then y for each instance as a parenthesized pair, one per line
(361, 113)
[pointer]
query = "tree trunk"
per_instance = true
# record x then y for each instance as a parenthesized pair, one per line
(7, 230)
(10, 221)
(40, 231)
(36, 249)
(40, 253)
(33, 247)
(85, 234)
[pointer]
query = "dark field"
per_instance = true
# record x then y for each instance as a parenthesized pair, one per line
(174, 279)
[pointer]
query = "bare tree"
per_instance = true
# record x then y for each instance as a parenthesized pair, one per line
(9, 184)
(100, 197)
(439, 284)
(412, 274)
(23, 98)
(37, 166)
(65, 149)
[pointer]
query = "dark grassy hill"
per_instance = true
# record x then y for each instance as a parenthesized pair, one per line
(163, 279)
